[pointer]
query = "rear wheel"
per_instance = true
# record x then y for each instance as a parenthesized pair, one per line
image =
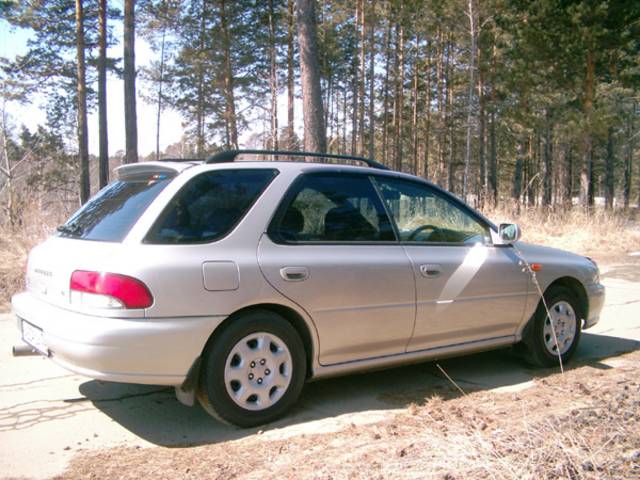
(557, 333)
(253, 371)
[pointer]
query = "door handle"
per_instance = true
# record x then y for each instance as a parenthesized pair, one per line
(294, 274)
(430, 270)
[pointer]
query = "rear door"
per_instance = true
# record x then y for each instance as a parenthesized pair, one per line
(467, 288)
(332, 250)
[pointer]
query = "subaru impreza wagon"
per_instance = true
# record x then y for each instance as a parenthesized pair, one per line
(237, 281)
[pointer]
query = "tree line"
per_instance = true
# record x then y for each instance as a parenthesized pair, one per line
(499, 101)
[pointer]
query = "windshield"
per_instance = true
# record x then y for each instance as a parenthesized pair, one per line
(111, 213)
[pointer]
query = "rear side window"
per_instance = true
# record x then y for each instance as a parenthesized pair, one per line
(209, 206)
(110, 214)
(333, 208)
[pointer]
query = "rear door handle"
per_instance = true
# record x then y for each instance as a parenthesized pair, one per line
(430, 270)
(294, 274)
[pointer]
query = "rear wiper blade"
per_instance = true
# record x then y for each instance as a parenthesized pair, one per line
(70, 229)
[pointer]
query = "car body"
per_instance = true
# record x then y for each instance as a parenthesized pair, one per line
(362, 283)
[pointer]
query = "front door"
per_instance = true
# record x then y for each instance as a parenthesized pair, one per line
(332, 250)
(467, 288)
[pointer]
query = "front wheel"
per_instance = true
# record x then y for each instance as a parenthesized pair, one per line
(253, 371)
(556, 334)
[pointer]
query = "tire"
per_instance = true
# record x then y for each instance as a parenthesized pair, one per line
(253, 371)
(540, 347)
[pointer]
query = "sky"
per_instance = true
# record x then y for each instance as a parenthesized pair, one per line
(13, 41)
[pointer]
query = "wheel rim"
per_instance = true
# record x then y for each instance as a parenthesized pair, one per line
(563, 322)
(257, 371)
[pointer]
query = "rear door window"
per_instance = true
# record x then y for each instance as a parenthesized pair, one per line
(209, 206)
(333, 208)
(110, 214)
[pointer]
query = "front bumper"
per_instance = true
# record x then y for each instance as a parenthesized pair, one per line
(595, 298)
(156, 351)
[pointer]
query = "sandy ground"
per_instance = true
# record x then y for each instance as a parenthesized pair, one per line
(49, 418)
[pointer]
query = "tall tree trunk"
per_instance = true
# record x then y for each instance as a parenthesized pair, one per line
(230, 103)
(354, 106)
(516, 191)
(160, 85)
(586, 174)
(273, 80)
(447, 154)
(567, 191)
(372, 81)
(547, 171)
(529, 175)
(628, 162)
(290, 82)
(609, 172)
(200, 86)
(130, 115)
(83, 135)
(354, 84)
(483, 180)
(385, 101)
(314, 131)
(414, 115)
(451, 164)
(399, 93)
(427, 109)
(328, 113)
(103, 160)
(439, 160)
(470, 99)
(361, 80)
(344, 121)
(493, 162)
(443, 102)
(8, 169)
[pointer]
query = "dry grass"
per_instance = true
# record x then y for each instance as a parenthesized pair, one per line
(580, 425)
(15, 244)
(603, 235)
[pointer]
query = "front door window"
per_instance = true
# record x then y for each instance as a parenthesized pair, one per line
(424, 215)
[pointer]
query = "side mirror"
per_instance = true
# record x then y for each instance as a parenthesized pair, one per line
(509, 233)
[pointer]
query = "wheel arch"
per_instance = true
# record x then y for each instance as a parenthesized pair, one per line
(289, 314)
(570, 283)
(576, 287)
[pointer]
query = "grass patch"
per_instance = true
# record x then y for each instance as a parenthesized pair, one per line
(603, 235)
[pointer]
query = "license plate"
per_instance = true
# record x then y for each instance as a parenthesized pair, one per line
(34, 337)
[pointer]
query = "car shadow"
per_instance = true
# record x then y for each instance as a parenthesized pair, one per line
(153, 413)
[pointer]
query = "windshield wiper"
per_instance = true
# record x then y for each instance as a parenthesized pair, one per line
(72, 229)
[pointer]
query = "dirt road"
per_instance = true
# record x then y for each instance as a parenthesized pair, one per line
(48, 416)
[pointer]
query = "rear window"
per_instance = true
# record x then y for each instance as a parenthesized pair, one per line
(209, 206)
(110, 214)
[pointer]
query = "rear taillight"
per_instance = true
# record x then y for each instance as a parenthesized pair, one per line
(108, 290)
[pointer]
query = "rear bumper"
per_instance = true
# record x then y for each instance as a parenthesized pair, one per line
(157, 351)
(595, 296)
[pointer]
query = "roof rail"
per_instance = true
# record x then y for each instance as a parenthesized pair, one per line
(230, 156)
(181, 160)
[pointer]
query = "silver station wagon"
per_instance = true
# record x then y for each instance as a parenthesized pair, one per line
(237, 281)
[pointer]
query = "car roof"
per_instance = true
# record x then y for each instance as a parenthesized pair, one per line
(179, 166)
(176, 166)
